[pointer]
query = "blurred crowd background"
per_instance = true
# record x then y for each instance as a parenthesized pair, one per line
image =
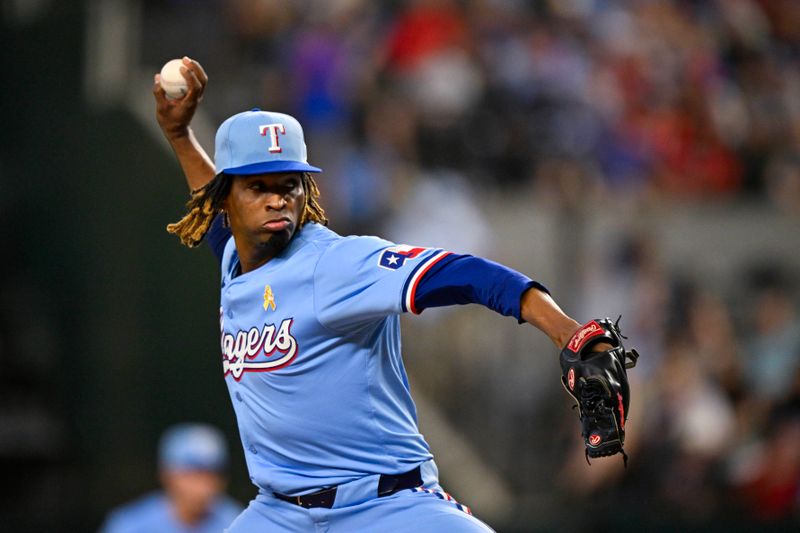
(638, 157)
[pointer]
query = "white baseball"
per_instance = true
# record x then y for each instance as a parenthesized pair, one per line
(172, 80)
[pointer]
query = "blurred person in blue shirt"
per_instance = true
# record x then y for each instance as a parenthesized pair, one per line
(192, 463)
(773, 349)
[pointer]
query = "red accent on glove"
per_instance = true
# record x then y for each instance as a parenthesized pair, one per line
(578, 340)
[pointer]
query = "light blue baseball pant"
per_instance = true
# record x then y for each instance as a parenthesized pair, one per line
(357, 509)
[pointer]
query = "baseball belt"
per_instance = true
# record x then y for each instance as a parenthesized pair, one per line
(387, 485)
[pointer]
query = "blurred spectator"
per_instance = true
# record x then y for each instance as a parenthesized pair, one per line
(713, 334)
(767, 478)
(783, 180)
(698, 416)
(423, 29)
(193, 459)
(772, 355)
(430, 206)
(692, 423)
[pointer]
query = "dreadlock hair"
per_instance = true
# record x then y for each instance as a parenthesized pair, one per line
(206, 203)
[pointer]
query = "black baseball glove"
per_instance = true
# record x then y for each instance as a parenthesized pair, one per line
(598, 381)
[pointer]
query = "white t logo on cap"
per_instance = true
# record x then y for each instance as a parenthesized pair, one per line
(273, 129)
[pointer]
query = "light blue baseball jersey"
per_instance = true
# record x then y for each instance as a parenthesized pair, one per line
(153, 514)
(311, 354)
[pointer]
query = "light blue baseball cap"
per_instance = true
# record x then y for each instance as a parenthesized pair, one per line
(193, 447)
(258, 142)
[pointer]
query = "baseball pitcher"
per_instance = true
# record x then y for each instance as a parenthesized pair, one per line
(310, 335)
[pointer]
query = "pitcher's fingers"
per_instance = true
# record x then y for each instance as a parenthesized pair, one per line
(158, 90)
(197, 68)
(193, 85)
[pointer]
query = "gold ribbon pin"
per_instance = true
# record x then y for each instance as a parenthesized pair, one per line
(269, 298)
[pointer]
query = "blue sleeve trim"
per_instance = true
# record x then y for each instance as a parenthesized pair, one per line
(217, 237)
(464, 279)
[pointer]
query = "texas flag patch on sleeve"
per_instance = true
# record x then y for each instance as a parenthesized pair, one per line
(396, 256)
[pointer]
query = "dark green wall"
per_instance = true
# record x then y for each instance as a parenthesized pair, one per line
(108, 324)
